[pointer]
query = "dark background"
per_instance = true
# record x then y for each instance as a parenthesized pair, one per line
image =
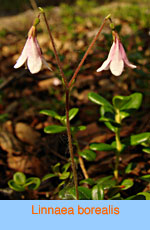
(8, 7)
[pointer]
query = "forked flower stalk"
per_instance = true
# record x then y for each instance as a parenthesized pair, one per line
(67, 92)
(87, 51)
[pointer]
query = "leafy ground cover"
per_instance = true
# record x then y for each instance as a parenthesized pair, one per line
(34, 155)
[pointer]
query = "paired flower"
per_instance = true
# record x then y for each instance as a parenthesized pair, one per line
(32, 54)
(117, 58)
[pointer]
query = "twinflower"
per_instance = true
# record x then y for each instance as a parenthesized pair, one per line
(117, 58)
(32, 54)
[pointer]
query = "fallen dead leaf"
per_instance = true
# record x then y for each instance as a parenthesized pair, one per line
(26, 164)
(27, 134)
(9, 143)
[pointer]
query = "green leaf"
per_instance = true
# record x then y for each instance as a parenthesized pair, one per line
(84, 193)
(32, 183)
(110, 126)
(54, 129)
(134, 102)
(128, 183)
(65, 194)
(87, 154)
(72, 113)
(48, 176)
(140, 196)
(113, 191)
(146, 194)
(55, 168)
(97, 192)
(88, 181)
(59, 186)
(107, 115)
(104, 179)
(19, 178)
(94, 97)
(70, 194)
(123, 145)
(117, 196)
(136, 197)
(105, 119)
(139, 138)
(66, 167)
(101, 147)
(124, 114)
(146, 150)
(146, 178)
(130, 167)
(17, 188)
(120, 101)
(64, 175)
(51, 113)
(106, 182)
(78, 128)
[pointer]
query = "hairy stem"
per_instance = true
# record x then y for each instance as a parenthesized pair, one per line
(55, 51)
(70, 145)
(87, 52)
(67, 91)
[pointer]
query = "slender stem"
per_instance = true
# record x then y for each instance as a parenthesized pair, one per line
(67, 109)
(87, 52)
(70, 145)
(55, 51)
(67, 91)
(81, 161)
(118, 144)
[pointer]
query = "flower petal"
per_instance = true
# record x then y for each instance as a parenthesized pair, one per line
(105, 65)
(43, 59)
(34, 60)
(21, 60)
(124, 57)
(117, 64)
(46, 64)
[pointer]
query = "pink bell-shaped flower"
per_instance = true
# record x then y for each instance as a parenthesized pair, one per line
(117, 58)
(32, 54)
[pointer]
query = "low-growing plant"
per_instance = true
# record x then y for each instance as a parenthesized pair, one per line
(111, 114)
(20, 183)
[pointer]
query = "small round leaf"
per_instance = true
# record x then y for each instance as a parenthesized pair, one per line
(87, 154)
(101, 147)
(48, 176)
(94, 97)
(128, 183)
(32, 183)
(98, 192)
(15, 187)
(54, 129)
(19, 178)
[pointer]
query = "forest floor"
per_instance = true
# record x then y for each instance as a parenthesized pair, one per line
(24, 146)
